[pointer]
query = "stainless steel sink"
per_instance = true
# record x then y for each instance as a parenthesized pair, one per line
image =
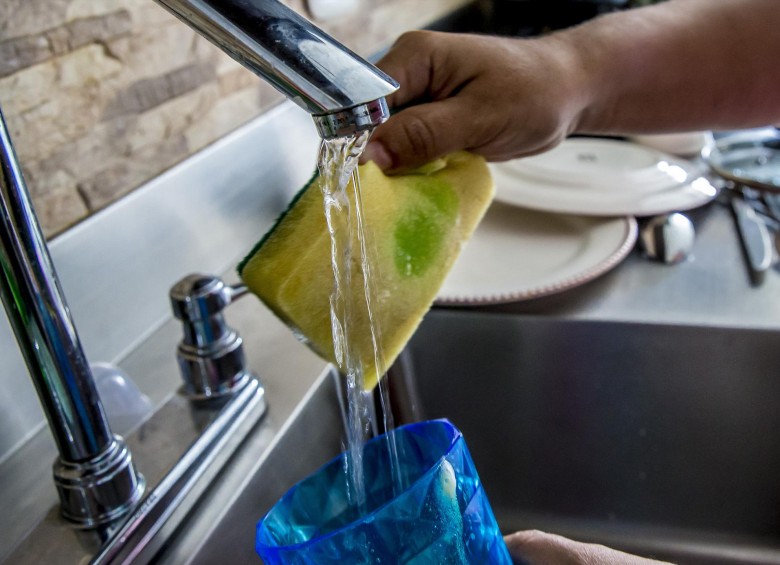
(661, 440)
(221, 528)
(657, 439)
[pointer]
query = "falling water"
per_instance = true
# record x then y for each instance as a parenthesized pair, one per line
(337, 165)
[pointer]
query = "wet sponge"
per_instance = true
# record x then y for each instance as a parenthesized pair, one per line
(416, 224)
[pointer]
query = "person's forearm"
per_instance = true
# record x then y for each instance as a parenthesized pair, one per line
(674, 67)
(681, 65)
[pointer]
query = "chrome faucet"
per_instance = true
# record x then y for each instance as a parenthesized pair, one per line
(343, 93)
(94, 474)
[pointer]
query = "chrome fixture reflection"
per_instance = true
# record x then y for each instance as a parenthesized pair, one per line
(343, 93)
(94, 474)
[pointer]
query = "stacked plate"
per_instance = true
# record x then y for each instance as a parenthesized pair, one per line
(749, 158)
(603, 177)
(518, 254)
(565, 217)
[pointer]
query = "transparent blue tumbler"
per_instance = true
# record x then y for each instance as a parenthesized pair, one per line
(428, 508)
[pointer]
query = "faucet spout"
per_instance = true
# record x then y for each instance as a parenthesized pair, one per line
(343, 92)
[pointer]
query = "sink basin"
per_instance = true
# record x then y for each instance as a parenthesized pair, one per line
(658, 440)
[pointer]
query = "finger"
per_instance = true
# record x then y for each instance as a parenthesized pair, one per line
(533, 547)
(410, 62)
(419, 134)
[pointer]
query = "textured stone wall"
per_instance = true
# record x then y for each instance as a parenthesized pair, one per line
(103, 95)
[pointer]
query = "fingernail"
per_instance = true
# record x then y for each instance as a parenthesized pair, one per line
(377, 153)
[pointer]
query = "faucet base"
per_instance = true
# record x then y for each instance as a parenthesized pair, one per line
(138, 538)
(182, 448)
(99, 491)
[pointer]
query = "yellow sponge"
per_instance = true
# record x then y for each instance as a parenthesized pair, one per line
(416, 224)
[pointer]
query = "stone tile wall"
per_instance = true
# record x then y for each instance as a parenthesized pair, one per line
(103, 95)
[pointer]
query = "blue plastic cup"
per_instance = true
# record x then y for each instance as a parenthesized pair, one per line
(438, 514)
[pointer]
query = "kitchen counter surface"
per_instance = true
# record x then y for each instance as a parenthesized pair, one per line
(711, 288)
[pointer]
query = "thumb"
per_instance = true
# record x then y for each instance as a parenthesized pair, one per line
(419, 134)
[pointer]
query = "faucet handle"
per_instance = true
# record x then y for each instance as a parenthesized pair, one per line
(211, 354)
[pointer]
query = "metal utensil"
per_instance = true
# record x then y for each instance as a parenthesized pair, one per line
(754, 236)
(777, 242)
(668, 238)
(772, 203)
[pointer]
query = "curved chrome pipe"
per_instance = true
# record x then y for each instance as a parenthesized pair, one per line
(94, 475)
(343, 92)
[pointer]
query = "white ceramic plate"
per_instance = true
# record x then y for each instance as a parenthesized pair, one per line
(603, 164)
(687, 144)
(517, 254)
(602, 178)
